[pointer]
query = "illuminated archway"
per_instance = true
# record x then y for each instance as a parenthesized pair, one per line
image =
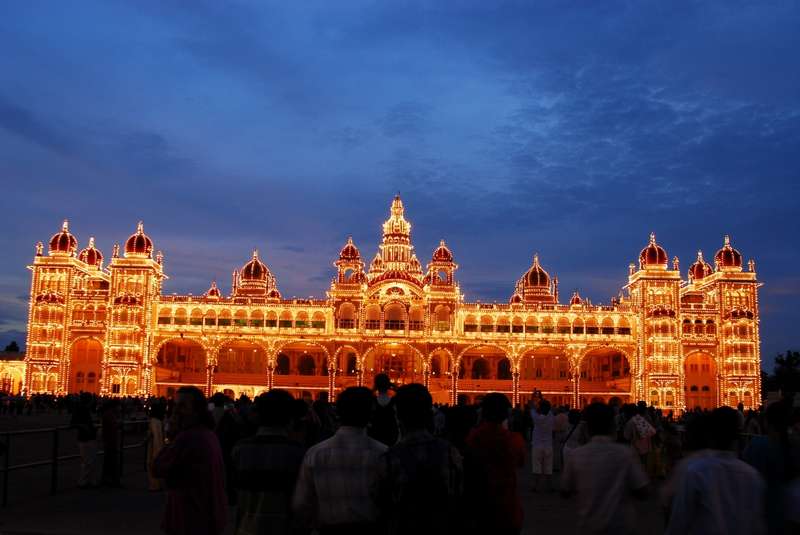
(86, 358)
(401, 362)
(546, 369)
(605, 372)
(700, 380)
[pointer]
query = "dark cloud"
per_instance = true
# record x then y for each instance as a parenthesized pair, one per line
(508, 127)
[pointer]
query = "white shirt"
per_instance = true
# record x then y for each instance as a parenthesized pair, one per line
(542, 429)
(718, 494)
(603, 475)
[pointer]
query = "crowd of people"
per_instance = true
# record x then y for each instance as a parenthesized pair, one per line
(388, 460)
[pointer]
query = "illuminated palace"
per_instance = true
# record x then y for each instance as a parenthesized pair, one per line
(675, 343)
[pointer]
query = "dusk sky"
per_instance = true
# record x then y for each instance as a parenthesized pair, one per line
(571, 129)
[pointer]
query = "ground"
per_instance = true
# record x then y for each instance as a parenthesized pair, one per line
(133, 510)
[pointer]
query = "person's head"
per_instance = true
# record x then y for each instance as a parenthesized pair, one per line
(574, 417)
(382, 383)
(629, 410)
(414, 406)
(275, 408)
(697, 436)
(355, 406)
(723, 428)
(86, 399)
(740, 406)
(191, 408)
(219, 399)
(495, 407)
(544, 407)
(157, 410)
(599, 419)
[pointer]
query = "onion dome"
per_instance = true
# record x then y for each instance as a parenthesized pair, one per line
(515, 299)
(50, 298)
(442, 253)
(700, 268)
(536, 275)
(728, 257)
(213, 292)
(653, 255)
(139, 244)
(255, 269)
(349, 252)
(575, 299)
(63, 243)
(91, 255)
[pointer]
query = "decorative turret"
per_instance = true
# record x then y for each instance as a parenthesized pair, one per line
(350, 268)
(535, 286)
(213, 292)
(653, 256)
(728, 258)
(139, 244)
(700, 269)
(91, 255)
(395, 260)
(254, 279)
(576, 299)
(63, 243)
(442, 267)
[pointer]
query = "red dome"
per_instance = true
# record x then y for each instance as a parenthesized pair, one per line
(442, 253)
(728, 257)
(653, 254)
(63, 243)
(700, 268)
(349, 251)
(515, 299)
(213, 292)
(575, 299)
(91, 255)
(139, 244)
(536, 275)
(274, 294)
(255, 269)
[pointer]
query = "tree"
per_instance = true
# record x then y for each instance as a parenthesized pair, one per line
(786, 376)
(12, 347)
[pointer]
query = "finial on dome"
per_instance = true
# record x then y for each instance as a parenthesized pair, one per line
(65, 225)
(140, 227)
(441, 243)
(255, 254)
(536, 259)
(727, 240)
(159, 257)
(652, 238)
(631, 268)
(115, 251)
(39, 248)
(751, 265)
(699, 256)
(349, 240)
(91, 242)
(675, 263)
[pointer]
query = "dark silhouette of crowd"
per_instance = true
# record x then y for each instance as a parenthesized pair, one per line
(389, 460)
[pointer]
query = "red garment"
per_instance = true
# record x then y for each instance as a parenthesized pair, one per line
(195, 476)
(497, 453)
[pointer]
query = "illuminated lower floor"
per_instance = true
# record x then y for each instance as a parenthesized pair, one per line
(567, 374)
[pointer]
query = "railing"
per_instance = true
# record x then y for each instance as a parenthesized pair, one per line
(55, 459)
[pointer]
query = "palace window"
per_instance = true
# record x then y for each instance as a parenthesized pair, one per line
(345, 324)
(470, 328)
(301, 324)
(487, 328)
(373, 324)
(318, 324)
(504, 328)
(224, 322)
(608, 330)
(578, 329)
(210, 321)
(256, 323)
(516, 328)
(563, 329)
(624, 330)
(285, 324)
(592, 330)
(271, 323)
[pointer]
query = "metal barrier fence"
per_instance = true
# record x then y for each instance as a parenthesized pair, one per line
(55, 459)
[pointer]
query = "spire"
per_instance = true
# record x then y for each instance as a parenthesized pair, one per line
(397, 205)
(700, 256)
(727, 240)
(139, 227)
(65, 226)
(652, 238)
(255, 253)
(91, 242)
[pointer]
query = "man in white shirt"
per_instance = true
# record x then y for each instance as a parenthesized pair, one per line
(718, 493)
(542, 445)
(605, 477)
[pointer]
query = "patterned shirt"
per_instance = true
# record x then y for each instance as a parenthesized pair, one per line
(340, 480)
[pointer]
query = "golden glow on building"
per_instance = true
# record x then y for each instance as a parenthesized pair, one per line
(674, 343)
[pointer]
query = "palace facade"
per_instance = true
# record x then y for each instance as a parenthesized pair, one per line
(676, 343)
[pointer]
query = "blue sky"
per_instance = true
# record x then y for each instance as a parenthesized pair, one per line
(568, 128)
